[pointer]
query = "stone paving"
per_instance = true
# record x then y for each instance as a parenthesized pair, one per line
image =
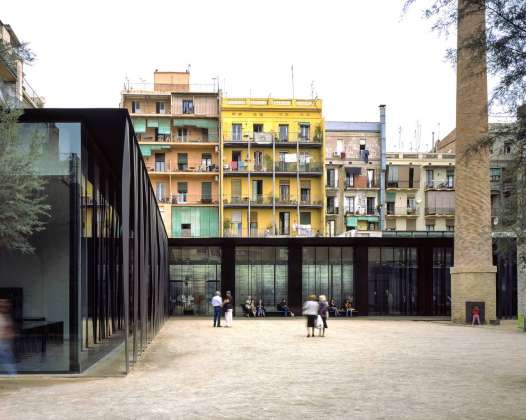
(362, 369)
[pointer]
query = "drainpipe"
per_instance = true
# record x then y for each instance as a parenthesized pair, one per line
(382, 167)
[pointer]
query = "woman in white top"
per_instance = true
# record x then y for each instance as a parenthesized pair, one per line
(310, 310)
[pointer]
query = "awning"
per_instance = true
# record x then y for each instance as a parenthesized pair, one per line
(196, 122)
(164, 127)
(390, 196)
(367, 218)
(351, 221)
(152, 123)
(147, 149)
(139, 125)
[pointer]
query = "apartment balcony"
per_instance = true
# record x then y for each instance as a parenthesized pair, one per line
(268, 201)
(440, 211)
(361, 182)
(313, 168)
(402, 184)
(440, 185)
(174, 168)
(267, 232)
(269, 139)
(150, 138)
(402, 211)
(182, 199)
(144, 88)
(283, 168)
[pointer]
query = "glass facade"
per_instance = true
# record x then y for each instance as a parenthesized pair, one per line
(261, 273)
(328, 271)
(38, 285)
(195, 275)
(392, 281)
(95, 285)
(442, 262)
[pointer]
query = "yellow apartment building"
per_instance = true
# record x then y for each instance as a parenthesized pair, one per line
(177, 125)
(272, 167)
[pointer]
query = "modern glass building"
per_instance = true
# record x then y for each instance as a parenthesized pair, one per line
(396, 275)
(95, 286)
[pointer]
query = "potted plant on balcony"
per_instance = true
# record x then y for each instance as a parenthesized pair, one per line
(226, 226)
(267, 162)
(317, 134)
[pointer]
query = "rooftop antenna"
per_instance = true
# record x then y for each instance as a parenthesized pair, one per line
(432, 141)
(400, 138)
(438, 132)
(312, 90)
(292, 76)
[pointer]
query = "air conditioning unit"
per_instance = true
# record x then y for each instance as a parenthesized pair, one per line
(217, 148)
(216, 178)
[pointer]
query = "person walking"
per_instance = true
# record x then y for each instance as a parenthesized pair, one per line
(323, 311)
(310, 310)
(228, 308)
(7, 336)
(475, 315)
(217, 303)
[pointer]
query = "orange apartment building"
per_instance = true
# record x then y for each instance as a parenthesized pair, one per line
(177, 125)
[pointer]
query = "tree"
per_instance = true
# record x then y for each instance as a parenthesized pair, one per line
(505, 43)
(22, 200)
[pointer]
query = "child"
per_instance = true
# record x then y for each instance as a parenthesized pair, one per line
(475, 315)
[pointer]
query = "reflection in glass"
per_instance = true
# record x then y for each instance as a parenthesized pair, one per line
(442, 262)
(262, 273)
(328, 271)
(393, 281)
(195, 275)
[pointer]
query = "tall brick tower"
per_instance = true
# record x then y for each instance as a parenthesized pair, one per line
(473, 276)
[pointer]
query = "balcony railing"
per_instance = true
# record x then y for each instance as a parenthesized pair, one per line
(268, 138)
(145, 87)
(173, 167)
(401, 211)
(150, 138)
(185, 198)
(266, 232)
(402, 184)
(447, 211)
(269, 200)
(292, 167)
(440, 185)
(37, 100)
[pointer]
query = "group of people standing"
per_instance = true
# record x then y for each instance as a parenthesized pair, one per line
(316, 309)
(223, 306)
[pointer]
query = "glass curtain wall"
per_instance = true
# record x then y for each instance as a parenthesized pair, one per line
(261, 273)
(392, 281)
(195, 275)
(328, 271)
(37, 285)
(442, 262)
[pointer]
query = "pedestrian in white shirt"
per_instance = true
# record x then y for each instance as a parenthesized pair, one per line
(228, 307)
(310, 310)
(217, 303)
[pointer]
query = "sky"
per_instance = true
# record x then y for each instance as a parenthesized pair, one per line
(354, 55)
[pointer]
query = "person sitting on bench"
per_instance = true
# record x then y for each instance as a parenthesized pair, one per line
(260, 309)
(283, 307)
(333, 308)
(348, 306)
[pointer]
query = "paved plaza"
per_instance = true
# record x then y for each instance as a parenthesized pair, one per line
(269, 369)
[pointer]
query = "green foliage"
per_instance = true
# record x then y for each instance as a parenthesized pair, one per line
(22, 201)
(12, 54)
(505, 42)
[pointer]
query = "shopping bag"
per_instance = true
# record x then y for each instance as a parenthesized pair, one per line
(319, 322)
